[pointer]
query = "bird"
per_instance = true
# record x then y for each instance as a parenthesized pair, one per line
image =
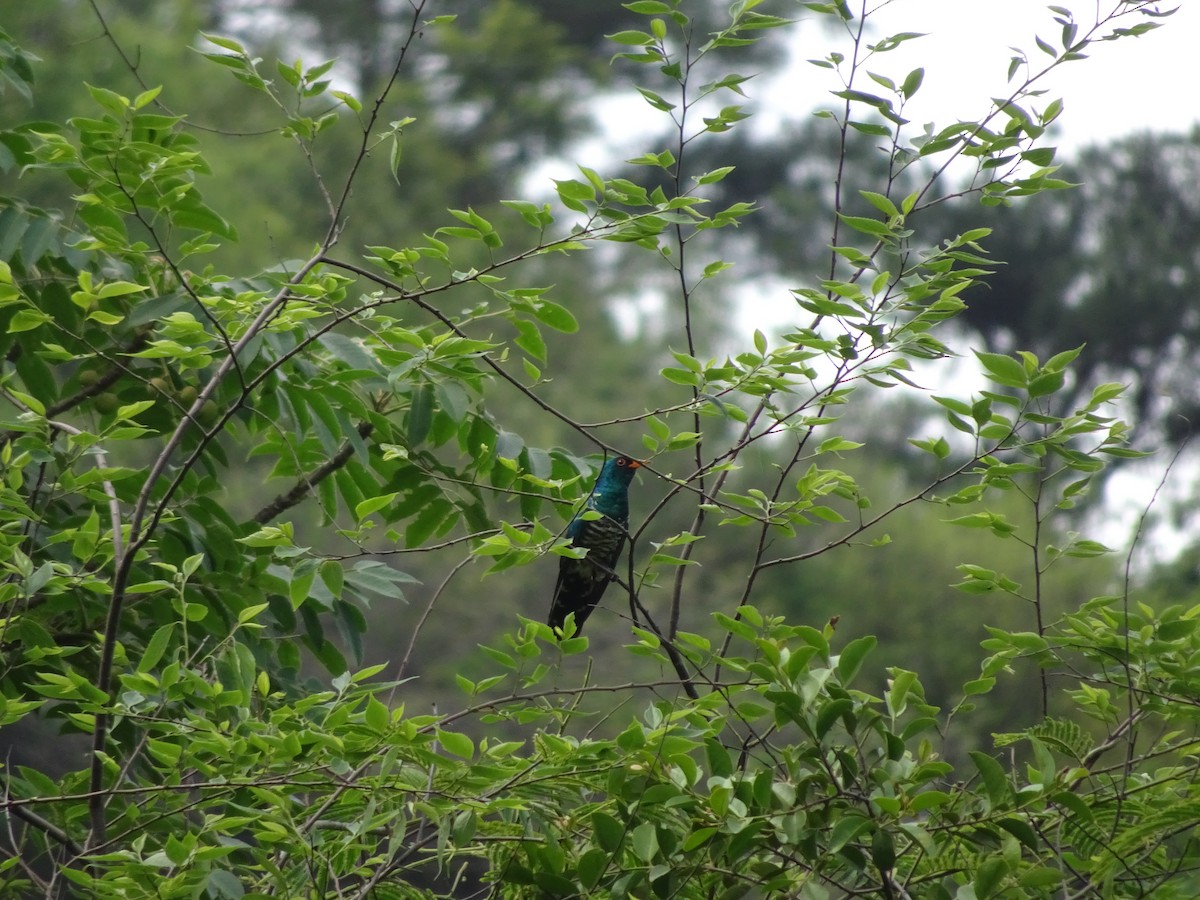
(581, 582)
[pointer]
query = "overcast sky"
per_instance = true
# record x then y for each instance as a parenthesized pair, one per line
(1133, 84)
(1146, 82)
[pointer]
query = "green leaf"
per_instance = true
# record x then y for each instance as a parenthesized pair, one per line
(882, 203)
(851, 658)
(223, 42)
(1085, 549)
(930, 800)
(715, 175)
(1022, 831)
(530, 339)
(130, 410)
(350, 352)
(680, 376)
(557, 317)
(250, 612)
(978, 686)
(592, 866)
(715, 268)
(872, 128)
(648, 7)
(834, 444)
(155, 647)
(120, 289)
(1003, 369)
(697, 838)
(656, 100)
(608, 831)
(1040, 878)
(104, 318)
(457, 743)
(87, 537)
(719, 761)
(989, 877)
(376, 715)
(912, 82)
(201, 218)
(631, 38)
(373, 504)
(1047, 383)
(420, 414)
(32, 403)
(333, 576)
(897, 695)
(110, 100)
(27, 320)
(575, 194)
(847, 829)
(300, 585)
(644, 840)
(222, 884)
(883, 850)
(352, 102)
(867, 226)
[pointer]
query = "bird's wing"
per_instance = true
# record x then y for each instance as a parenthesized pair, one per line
(581, 582)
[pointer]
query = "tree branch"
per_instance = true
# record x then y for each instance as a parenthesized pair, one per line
(306, 483)
(45, 826)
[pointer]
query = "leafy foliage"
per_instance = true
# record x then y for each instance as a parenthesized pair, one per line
(171, 624)
(1130, 305)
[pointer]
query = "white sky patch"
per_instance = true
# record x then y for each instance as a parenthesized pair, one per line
(1132, 84)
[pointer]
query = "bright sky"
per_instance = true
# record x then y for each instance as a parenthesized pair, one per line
(1136, 83)
(1133, 84)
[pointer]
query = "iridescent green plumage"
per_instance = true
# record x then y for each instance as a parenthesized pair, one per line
(581, 582)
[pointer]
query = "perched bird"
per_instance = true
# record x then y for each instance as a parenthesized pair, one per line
(581, 582)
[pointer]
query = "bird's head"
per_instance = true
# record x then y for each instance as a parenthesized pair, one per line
(610, 495)
(618, 470)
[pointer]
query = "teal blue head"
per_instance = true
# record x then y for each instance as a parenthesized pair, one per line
(611, 494)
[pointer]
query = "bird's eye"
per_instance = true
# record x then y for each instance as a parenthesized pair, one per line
(622, 461)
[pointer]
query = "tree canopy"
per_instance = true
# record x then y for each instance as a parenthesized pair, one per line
(295, 364)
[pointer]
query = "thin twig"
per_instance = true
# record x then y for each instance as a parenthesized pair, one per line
(412, 642)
